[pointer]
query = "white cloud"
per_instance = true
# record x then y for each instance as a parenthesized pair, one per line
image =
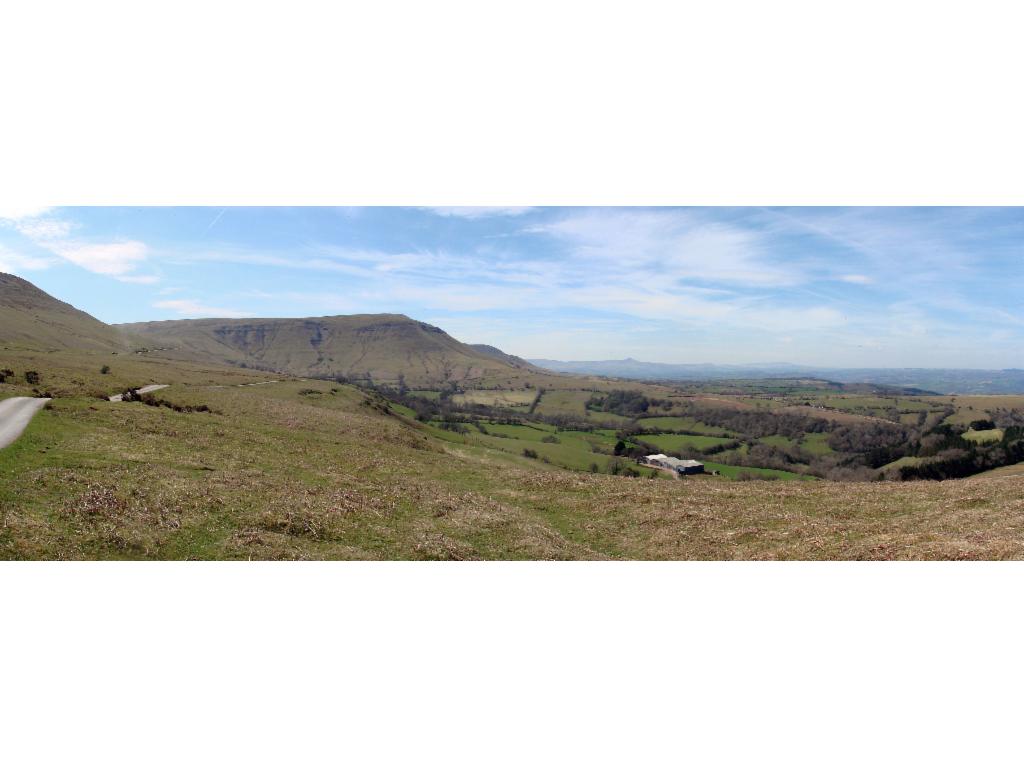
(194, 308)
(116, 259)
(672, 245)
(113, 259)
(19, 212)
(12, 261)
(43, 229)
(138, 279)
(856, 279)
(480, 211)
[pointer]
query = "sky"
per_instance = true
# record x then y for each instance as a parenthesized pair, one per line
(836, 287)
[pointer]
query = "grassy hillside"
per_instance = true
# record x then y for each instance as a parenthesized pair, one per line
(315, 470)
(214, 467)
(384, 347)
(32, 319)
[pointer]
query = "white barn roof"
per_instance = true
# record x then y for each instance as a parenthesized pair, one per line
(671, 461)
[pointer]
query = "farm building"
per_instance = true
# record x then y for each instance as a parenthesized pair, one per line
(681, 466)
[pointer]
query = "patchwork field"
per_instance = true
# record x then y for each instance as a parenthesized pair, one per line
(673, 443)
(686, 424)
(816, 443)
(567, 401)
(736, 472)
(512, 398)
(984, 435)
(673, 421)
(314, 470)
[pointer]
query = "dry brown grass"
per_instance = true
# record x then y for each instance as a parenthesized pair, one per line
(277, 475)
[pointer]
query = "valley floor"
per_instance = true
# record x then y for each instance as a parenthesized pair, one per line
(312, 470)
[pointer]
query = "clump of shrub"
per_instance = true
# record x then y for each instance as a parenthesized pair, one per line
(32, 377)
(105, 369)
(617, 466)
(529, 453)
(133, 396)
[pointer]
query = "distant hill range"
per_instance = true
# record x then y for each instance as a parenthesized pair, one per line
(378, 347)
(942, 380)
(33, 319)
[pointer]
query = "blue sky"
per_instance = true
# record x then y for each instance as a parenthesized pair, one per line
(886, 287)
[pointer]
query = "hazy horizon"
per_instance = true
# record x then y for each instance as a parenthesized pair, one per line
(814, 287)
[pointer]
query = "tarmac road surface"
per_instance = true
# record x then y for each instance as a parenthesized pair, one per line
(142, 391)
(15, 414)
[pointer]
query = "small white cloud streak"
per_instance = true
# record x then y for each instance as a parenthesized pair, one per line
(194, 308)
(114, 259)
(480, 211)
(12, 261)
(43, 229)
(14, 213)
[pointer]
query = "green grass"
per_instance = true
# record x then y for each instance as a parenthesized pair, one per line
(684, 423)
(568, 449)
(672, 443)
(274, 474)
(984, 435)
(496, 397)
(427, 394)
(1012, 470)
(69, 374)
(905, 461)
(563, 401)
(601, 417)
(732, 472)
(816, 443)
(531, 432)
(779, 441)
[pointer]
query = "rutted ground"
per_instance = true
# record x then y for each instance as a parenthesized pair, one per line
(315, 470)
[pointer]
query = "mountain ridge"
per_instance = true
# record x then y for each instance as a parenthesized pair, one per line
(30, 318)
(386, 347)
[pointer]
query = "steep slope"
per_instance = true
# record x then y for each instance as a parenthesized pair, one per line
(33, 319)
(497, 354)
(383, 346)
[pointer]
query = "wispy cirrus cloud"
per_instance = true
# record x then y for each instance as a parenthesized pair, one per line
(672, 245)
(864, 286)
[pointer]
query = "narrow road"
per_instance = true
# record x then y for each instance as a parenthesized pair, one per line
(15, 414)
(142, 391)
